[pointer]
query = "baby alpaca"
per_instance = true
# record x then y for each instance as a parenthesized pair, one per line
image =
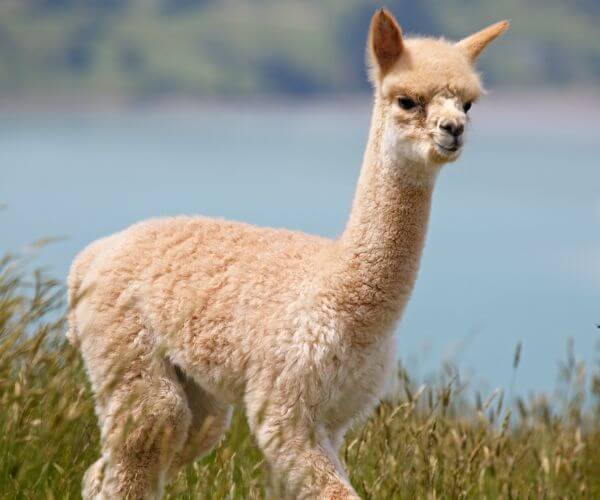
(178, 319)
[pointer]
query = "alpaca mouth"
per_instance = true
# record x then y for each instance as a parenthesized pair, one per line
(447, 150)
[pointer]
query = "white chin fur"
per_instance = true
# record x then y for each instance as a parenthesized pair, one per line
(409, 158)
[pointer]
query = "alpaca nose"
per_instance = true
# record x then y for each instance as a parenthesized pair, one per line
(453, 128)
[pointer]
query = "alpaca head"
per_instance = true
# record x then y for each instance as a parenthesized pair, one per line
(424, 88)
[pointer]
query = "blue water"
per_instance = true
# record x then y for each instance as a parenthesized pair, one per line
(513, 252)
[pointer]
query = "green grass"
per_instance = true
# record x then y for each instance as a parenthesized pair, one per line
(433, 442)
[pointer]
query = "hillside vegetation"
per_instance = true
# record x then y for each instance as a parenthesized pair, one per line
(435, 441)
(232, 48)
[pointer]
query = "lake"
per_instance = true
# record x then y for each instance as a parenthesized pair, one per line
(513, 253)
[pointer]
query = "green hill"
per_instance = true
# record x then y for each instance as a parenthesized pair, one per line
(226, 47)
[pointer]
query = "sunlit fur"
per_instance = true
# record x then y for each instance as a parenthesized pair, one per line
(178, 319)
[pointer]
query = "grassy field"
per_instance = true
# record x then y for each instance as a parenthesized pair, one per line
(438, 440)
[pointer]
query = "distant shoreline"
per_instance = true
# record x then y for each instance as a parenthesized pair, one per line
(116, 102)
(525, 110)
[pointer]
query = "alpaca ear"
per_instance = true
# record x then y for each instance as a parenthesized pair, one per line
(473, 45)
(385, 43)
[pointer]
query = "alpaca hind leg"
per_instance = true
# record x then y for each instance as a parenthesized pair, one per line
(145, 425)
(210, 419)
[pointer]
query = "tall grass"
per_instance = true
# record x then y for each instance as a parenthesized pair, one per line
(434, 441)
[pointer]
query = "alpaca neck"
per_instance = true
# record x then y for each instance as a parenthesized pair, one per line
(379, 252)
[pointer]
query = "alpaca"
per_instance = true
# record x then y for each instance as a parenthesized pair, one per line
(178, 319)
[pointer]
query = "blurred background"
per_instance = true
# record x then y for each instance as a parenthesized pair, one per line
(145, 48)
(258, 110)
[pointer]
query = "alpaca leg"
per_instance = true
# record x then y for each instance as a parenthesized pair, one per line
(306, 468)
(145, 425)
(302, 460)
(336, 438)
(210, 419)
(92, 479)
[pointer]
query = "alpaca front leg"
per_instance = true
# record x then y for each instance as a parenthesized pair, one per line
(307, 470)
(303, 464)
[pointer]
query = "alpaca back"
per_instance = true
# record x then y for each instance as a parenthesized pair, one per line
(177, 271)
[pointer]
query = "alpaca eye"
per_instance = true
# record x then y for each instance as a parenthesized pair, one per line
(467, 106)
(406, 103)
